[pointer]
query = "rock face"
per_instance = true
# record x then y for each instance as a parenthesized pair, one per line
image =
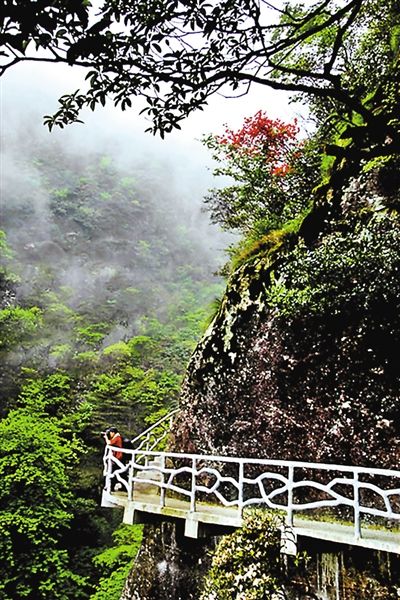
(349, 574)
(300, 363)
(171, 567)
(168, 565)
(306, 368)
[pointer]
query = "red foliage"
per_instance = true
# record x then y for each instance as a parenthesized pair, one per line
(272, 140)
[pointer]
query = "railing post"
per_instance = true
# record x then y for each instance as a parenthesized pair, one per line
(357, 523)
(108, 468)
(240, 492)
(162, 489)
(130, 478)
(146, 458)
(289, 515)
(193, 487)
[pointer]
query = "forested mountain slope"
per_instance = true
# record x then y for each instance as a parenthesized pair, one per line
(301, 359)
(106, 278)
(104, 254)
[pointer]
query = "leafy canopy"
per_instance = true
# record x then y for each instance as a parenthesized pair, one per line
(37, 452)
(177, 53)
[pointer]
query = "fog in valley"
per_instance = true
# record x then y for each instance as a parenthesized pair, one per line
(102, 213)
(100, 208)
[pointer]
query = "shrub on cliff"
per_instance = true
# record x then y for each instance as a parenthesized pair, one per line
(247, 565)
(272, 172)
(347, 272)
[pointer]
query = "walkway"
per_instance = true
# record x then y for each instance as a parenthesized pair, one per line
(336, 503)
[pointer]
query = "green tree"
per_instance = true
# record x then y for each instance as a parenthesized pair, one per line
(7, 278)
(177, 54)
(115, 562)
(18, 326)
(36, 455)
(127, 395)
(248, 563)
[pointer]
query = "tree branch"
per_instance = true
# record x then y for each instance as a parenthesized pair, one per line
(339, 38)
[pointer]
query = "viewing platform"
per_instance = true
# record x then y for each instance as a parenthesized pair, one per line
(209, 494)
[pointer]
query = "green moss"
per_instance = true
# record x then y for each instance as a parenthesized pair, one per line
(327, 163)
(376, 163)
(268, 245)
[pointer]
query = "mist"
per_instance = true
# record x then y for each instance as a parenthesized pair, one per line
(94, 249)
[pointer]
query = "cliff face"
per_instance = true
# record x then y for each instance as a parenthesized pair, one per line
(301, 363)
(169, 565)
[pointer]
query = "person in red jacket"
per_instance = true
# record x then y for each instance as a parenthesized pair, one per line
(114, 438)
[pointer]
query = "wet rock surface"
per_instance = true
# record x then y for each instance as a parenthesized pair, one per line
(319, 385)
(169, 565)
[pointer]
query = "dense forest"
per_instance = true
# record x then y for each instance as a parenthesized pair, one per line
(106, 282)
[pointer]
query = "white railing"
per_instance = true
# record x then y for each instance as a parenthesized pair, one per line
(151, 438)
(352, 493)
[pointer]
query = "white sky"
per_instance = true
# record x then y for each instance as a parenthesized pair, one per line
(34, 88)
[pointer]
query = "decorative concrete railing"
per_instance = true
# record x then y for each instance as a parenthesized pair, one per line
(152, 438)
(352, 493)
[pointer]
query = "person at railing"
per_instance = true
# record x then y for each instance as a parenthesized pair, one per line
(112, 437)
